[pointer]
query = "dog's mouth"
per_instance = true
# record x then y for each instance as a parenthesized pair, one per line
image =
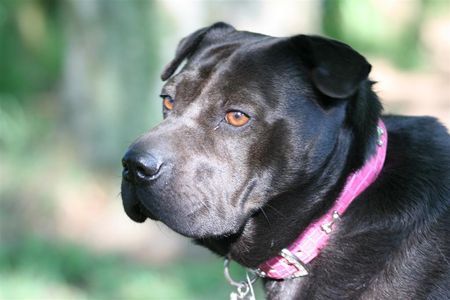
(200, 222)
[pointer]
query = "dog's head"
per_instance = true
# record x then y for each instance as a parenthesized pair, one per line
(248, 117)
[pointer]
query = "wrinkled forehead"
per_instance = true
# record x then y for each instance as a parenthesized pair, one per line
(231, 69)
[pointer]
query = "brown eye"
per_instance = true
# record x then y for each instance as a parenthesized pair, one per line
(236, 118)
(168, 102)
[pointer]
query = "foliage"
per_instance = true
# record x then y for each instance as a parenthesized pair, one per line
(358, 24)
(39, 268)
(31, 49)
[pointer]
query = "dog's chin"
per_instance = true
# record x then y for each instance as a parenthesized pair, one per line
(206, 227)
(200, 228)
(188, 224)
(197, 226)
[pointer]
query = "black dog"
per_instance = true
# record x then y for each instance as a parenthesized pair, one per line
(259, 137)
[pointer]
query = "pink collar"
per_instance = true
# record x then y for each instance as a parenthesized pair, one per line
(291, 261)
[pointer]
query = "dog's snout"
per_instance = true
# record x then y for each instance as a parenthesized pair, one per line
(140, 167)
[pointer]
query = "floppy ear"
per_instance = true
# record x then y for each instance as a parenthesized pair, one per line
(188, 45)
(336, 68)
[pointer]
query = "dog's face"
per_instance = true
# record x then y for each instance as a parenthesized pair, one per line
(244, 120)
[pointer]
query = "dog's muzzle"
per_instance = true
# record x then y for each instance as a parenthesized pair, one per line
(140, 169)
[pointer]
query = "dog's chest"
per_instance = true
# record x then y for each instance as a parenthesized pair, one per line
(322, 288)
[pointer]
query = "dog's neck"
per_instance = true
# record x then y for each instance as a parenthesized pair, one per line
(292, 260)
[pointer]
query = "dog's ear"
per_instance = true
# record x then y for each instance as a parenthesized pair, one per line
(336, 68)
(188, 45)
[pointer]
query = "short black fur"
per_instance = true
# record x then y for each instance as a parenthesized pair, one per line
(248, 192)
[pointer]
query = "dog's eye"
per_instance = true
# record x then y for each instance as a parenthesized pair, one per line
(168, 102)
(236, 118)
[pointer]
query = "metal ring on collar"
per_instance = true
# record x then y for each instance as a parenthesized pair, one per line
(231, 281)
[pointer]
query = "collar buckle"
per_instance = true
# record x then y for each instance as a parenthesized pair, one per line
(293, 260)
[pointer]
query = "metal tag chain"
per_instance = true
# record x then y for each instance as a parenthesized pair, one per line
(244, 289)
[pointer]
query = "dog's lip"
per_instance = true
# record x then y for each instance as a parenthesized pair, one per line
(135, 213)
(139, 213)
(134, 208)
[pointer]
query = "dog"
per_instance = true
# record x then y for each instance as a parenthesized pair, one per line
(260, 138)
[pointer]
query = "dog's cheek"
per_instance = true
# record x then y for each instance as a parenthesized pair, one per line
(273, 155)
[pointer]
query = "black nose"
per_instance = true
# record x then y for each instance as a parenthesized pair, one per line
(140, 167)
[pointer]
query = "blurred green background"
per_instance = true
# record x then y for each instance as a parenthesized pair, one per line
(79, 81)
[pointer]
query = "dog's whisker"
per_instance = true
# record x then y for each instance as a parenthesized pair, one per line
(203, 204)
(441, 253)
(162, 229)
(276, 210)
(159, 227)
(267, 218)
